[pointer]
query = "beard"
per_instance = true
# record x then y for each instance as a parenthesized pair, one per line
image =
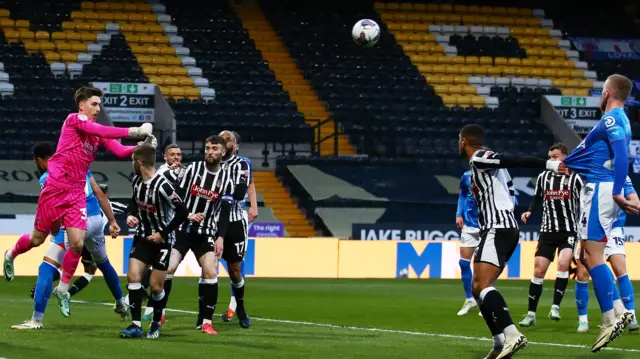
(603, 104)
(212, 161)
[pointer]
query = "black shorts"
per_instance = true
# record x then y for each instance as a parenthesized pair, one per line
(87, 259)
(156, 255)
(551, 242)
(235, 242)
(199, 244)
(497, 245)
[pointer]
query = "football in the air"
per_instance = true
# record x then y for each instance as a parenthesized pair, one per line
(366, 33)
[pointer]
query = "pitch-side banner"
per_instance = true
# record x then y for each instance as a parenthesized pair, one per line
(429, 232)
(330, 258)
(128, 102)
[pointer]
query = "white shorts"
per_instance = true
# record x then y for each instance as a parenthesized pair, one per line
(599, 211)
(93, 240)
(470, 237)
(615, 244)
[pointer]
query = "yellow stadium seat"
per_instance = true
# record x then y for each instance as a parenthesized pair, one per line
(164, 90)
(68, 57)
(145, 60)
(52, 56)
(516, 31)
(186, 81)
(588, 84)
(91, 16)
(127, 28)
(42, 36)
(447, 79)
(423, 68)
(546, 52)
(417, 59)
(487, 10)
(12, 35)
(444, 60)
(469, 90)
(147, 39)
(559, 83)
(523, 71)
(430, 8)
(514, 62)
(399, 18)
(537, 41)
(73, 36)
(449, 100)
(135, 18)
(480, 70)
(533, 52)
(525, 41)
(528, 62)
(101, 6)
(520, 21)
(144, 7)
(431, 58)
(577, 74)
(419, 7)
(394, 26)
(192, 93)
(420, 49)
(568, 92)
(171, 81)
(155, 79)
(62, 46)
(88, 37)
(26, 35)
(106, 16)
(441, 89)
(22, 24)
(427, 18)
(87, 5)
(138, 49)
(407, 48)
(458, 60)
(430, 78)
(165, 70)
(525, 12)
(472, 60)
(463, 101)
(69, 25)
(7, 23)
(445, 8)
(564, 73)
(573, 83)
(509, 71)
(568, 63)
(129, 7)
(152, 50)
(155, 29)
(132, 38)
(82, 26)
(161, 40)
(513, 11)
(114, 6)
(551, 42)
(439, 69)
(556, 64)
(461, 9)
(75, 47)
(453, 69)
(173, 61)
(159, 60)
(141, 28)
(493, 70)
(177, 92)
(4, 13)
(486, 60)
(477, 101)
(30, 45)
(150, 70)
(461, 80)
(406, 6)
(466, 70)
(532, 21)
(537, 72)
(582, 92)
(550, 73)
(415, 18)
(558, 53)
(44, 46)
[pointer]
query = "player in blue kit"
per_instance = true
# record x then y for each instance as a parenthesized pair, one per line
(602, 161)
(615, 254)
(467, 222)
(48, 269)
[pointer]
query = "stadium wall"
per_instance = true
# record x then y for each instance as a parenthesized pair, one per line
(330, 258)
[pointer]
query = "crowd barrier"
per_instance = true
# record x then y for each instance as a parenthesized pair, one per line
(329, 258)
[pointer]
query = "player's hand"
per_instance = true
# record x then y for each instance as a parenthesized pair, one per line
(132, 222)
(198, 217)
(114, 229)
(253, 214)
(525, 217)
(219, 247)
(155, 238)
(459, 222)
(145, 130)
(627, 206)
(176, 165)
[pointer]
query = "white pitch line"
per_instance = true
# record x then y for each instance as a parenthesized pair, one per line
(381, 330)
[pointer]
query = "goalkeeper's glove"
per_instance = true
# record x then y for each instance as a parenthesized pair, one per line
(145, 130)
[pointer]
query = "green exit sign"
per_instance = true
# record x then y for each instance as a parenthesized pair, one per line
(573, 101)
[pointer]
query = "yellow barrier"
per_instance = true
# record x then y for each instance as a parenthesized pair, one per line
(330, 258)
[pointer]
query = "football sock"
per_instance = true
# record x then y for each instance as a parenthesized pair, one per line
(111, 278)
(208, 293)
(603, 287)
(135, 301)
(43, 289)
(626, 292)
(23, 245)
(562, 280)
(80, 283)
(582, 297)
(467, 276)
(535, 291)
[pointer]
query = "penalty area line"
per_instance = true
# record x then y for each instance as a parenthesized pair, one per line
(382, 330)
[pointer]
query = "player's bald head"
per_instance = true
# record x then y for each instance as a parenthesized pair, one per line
(228, 136)
(619, 87)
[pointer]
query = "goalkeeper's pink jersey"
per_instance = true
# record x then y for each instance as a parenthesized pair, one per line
(77, 148)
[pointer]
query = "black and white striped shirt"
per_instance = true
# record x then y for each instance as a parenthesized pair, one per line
(492, 188)
(154, 203)
(240, 175)
(203, 192)
(559, 196)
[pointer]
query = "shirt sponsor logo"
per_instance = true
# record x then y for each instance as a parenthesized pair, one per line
(204, 193)
(564, 194)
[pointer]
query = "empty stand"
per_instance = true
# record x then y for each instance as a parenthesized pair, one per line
(286, 71)
(248, 99)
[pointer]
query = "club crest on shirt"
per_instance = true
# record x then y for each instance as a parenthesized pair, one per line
(82, 117)
(609, 121)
